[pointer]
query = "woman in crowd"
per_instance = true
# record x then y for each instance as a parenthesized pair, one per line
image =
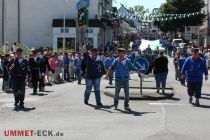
(160, 67)
(52, 62)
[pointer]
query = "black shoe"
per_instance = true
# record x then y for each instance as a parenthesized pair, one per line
(22, 106)
(197, 103)
(115, 107)
(99, 104)
(41, 89)
(190, 100)
(16, 105)
(86, 102)
(127, 108)
(49, 84)
(34, 93)
(157, 91)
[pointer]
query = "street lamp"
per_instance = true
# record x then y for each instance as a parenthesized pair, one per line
(64, 26)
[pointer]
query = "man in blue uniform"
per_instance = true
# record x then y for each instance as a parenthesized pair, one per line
(18, 68)
(181, 61)
(122, 67)
(193, 69)
(77, 64)
(108, 62)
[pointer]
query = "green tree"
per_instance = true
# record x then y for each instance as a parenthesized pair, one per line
(139, 10)
(181, 7)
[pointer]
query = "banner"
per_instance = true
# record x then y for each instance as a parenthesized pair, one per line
(154, 45)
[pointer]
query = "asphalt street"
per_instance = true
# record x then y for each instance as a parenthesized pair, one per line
(61, 108)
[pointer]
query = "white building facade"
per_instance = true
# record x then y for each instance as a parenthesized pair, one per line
(39, 23)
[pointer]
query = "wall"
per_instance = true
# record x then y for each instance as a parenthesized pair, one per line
(1, 24)
(11, 21)
(36, 19)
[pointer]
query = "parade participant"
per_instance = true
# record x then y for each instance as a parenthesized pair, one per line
(57, 69)
(44, 66)
(60, 64)
(176, 59)
(122, 67)
(12, 56)
(193, 69)
(1, 69)
(6, 48)
(181, 63)
(94, 71)
(71, 66)
(19, 70)
(188, 51)
(108, 62)
(14, 47)
(77, 64)
(52, 63)
(66, 66)
(48, 72)
(150, 58)
(6, 73)
(149, 50)
(74, 57)
(35, 65)
(160, 67)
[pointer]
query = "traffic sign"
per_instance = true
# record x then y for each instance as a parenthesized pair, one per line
(142, 64)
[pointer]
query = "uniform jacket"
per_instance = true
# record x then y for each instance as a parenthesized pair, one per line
(122, 69)
(194, 70)
(20, 69)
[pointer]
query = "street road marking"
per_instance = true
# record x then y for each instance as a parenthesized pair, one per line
(167, 104)
(163, 118)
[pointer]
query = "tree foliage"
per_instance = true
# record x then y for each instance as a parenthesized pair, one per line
(181, 7)
(138, 9)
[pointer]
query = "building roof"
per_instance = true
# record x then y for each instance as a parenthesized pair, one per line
(72, 23)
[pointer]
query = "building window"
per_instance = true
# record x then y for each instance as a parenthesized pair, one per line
(70, 43)
(91, 42)
(66, 30)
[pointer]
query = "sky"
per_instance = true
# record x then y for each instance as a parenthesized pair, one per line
(146, 3)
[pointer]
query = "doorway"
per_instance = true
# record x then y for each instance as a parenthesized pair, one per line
(69, 43)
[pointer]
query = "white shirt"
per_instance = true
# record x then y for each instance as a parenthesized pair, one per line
(35, 58)
(20, 60)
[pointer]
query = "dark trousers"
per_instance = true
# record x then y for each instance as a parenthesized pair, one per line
(182, 80)
(118, 85)
(35, 80)
(42, 82)
(19, 90)
(78, 73)
(160, 79)
(66, 73)
(194, 89)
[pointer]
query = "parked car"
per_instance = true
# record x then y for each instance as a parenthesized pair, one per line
(176, 42)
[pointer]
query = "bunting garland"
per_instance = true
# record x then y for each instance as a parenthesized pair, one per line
(159, 17)
(150, 17)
